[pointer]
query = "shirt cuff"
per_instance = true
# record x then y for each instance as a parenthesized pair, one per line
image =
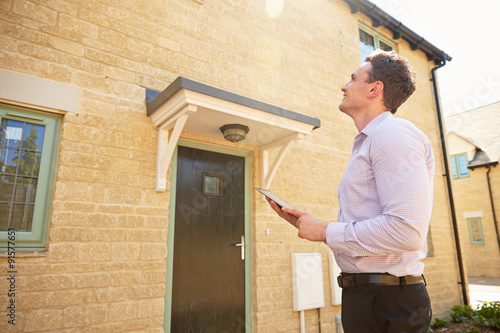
(335, 235)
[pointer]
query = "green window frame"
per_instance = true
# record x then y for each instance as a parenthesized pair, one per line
(459, 166)
(28, 154)
(476, 231)
(370, 41)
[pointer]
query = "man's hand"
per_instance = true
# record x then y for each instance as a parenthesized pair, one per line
(310, 227)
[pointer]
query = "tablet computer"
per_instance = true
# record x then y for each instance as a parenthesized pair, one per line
(274, 197)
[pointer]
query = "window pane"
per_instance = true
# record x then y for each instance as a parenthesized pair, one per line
(384, 46)
(4, 215)
(6, 188)
(366, 38)
(9, 163)
(212, 184)
(462, 163)
(453, 166)
(29, 164)
(11, 132)
(365, 51)
(33, 136)
(366, 44)
(476, 231)
(25, 190)
(22, 217)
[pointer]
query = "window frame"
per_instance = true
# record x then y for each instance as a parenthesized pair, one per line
(455, 165)
(36, 239)
(476, 243)
(377, 38)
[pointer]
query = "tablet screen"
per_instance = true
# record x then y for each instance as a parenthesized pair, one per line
(271, 195)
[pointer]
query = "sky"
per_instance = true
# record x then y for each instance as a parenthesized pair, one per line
(468, 32)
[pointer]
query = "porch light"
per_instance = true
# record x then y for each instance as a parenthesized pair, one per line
(234, 132)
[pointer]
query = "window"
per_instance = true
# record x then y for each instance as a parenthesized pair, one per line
(459, 165)
(370, 41)
(212, 184)
(476, 231)
(28, 152)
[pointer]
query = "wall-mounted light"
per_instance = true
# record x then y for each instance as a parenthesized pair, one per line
(234, 132)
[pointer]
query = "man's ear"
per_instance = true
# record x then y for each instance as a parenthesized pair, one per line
(377, 89)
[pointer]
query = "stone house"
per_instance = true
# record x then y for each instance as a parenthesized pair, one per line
(474, 149)
(121, 203)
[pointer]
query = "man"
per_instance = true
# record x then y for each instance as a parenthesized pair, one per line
(385, 203)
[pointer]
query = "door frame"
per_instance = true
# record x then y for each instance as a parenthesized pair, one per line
(171, 228)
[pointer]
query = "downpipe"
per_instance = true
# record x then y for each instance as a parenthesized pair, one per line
(448, 181)
(493, 205)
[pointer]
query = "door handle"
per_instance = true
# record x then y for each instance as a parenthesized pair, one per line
(242, 245)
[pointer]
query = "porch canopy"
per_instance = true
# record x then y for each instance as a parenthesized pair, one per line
(187, 105)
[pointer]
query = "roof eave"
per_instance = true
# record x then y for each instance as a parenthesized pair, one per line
(381, 18)
(472, 167)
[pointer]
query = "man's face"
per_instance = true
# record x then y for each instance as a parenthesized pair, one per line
(356, 90)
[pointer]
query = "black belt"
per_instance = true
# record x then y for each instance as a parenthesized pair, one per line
(346, 280)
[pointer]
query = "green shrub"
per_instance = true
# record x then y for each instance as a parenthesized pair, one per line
(438, 323)
(488, 315)
(461, 314)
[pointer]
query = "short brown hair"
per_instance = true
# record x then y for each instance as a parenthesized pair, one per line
(395, 73)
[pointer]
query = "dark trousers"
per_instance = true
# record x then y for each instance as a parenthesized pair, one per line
(386, 309)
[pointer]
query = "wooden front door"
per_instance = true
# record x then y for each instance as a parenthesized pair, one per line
(208, 284)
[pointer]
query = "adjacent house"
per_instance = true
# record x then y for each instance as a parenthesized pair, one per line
(474, 149)
(127, 202)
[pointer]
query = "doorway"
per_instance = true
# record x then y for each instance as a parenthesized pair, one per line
(208, 255)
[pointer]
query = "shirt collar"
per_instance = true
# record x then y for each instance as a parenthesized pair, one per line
(372, 125)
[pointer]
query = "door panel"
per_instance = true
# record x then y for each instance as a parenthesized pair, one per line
(208, 290)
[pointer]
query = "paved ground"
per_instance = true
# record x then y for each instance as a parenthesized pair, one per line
(483, 289)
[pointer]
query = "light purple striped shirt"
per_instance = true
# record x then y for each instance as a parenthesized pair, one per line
(385, 200)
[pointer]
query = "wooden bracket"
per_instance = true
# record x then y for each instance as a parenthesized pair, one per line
(166, 145)
(284, 144)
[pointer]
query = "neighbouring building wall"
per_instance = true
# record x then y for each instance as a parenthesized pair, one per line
(104, 268)
(472, 200)
(478, 235)
(457, 145)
